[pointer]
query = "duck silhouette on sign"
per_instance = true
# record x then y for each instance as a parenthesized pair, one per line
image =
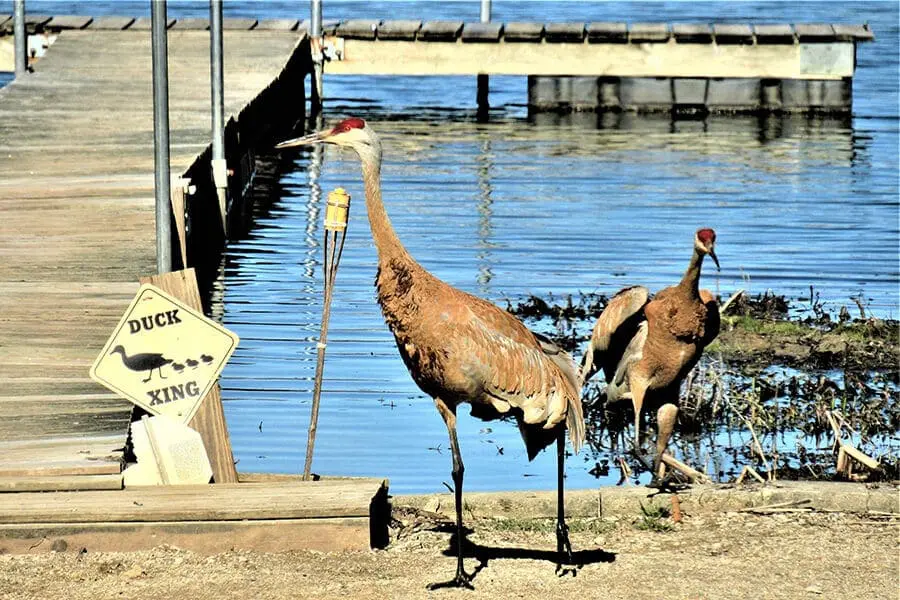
(145, 361)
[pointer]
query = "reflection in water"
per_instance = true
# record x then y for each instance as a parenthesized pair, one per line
(485, 163)
(791, 199)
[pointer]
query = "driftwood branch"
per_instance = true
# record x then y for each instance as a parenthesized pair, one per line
(692, 473)
(731, 300)
(789, 506)
(748, 470)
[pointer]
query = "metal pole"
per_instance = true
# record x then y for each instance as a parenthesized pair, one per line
(316, 44)
(216, 76)
(481, 98)
(158, 21)
(21, 42)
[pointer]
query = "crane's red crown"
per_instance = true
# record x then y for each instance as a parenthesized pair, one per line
(706, 236)
(348, 124)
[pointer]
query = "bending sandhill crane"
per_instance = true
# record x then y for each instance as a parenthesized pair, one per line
(646, 349)
(146, 361)
(460, 348)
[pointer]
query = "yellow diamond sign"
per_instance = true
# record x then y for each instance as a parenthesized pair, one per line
(164, 356)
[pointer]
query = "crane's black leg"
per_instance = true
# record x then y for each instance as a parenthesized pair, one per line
(563, 546)
(461, 579)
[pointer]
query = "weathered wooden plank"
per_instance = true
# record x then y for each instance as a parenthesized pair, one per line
(225, 502)
(773, 34)
(204, 537)
(360, 29)
(236, 24)
(853, 33)
(612, 60)
(482, 32)
(209, 420)
(190, 24)
(692, 33)
(144, 24)
(733, 33)
(399, 30)
(648, 32)
(111, 23)
(601, 31)
(62, 483)
(564, 32)
(814, 32)
(36, 20)
(277, 25)
(69, 22)
(62, 456)
(329, 26)
(440, 31)
(517, 31)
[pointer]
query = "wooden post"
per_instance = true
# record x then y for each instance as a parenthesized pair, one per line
(180, 187)
(209, 420)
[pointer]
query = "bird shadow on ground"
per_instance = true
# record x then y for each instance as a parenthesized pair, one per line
(484, 554)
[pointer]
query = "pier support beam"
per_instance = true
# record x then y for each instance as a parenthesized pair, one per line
(316, 45)
(481, 98)
(21, 43)
(219, 166)
(160, 51)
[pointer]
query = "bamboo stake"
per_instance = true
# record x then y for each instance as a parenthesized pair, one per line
(337, 212)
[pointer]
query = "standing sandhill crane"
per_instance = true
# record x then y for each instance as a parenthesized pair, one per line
(460, 348)
(647, 348)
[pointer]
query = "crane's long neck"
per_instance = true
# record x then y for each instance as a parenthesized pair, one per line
(386, 240)
(691, 278)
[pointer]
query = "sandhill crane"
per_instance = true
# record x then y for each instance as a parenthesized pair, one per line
(145, 361)
(647, 348)
(460, 348)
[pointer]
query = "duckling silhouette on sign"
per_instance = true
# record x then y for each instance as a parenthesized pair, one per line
(146, 361)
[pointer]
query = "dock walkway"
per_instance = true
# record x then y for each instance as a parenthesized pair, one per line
(77, 226)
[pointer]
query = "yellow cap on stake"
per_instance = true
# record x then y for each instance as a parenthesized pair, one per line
(337, 210)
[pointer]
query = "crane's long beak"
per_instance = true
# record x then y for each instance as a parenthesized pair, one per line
(712, 255)
(312, 138)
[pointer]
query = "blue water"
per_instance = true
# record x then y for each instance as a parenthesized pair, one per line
(552, 205)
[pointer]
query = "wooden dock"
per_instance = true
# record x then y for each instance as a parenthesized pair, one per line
(76, 234)
(77, 227)
(804, 67)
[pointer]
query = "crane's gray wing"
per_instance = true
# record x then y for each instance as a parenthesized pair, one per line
(618, 388)
(521, 372)
(625, 305)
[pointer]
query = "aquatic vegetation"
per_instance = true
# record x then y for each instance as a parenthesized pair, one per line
(762, 392)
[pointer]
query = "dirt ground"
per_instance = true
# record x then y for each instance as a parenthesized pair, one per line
(722, 556)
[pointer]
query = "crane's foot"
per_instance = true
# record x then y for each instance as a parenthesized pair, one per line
(461, 580)
(565, 562)
(669, 483)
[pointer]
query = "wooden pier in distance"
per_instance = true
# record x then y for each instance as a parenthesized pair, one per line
(619, 66)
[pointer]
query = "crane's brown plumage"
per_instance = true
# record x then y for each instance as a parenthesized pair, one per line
(646, 349)
(460, 348)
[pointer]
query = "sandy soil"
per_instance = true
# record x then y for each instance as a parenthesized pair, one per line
(732, 555)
